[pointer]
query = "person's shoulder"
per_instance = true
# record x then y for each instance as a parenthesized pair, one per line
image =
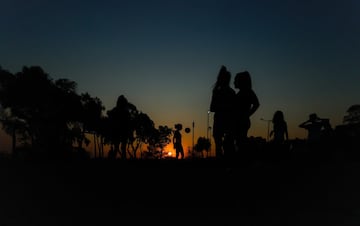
(252, 92)
(231, 91)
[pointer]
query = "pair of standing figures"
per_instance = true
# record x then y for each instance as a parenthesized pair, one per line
(232, 111)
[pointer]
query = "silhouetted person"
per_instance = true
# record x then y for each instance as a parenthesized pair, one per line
(280, 136)
(222, 101)
(177, 141)
(316, 128)
(246, 104)
(121, 131)
(280, 130)
(327, 131)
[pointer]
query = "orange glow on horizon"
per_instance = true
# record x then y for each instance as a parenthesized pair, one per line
(256, 130)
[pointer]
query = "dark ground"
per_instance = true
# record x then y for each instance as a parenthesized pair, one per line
(299, 190)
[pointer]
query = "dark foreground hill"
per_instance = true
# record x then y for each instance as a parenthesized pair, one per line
(300, 190)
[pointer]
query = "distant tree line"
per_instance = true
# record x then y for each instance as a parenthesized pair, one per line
(49, 118)
(349, 131)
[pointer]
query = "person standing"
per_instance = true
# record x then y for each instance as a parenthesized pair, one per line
(222, 100)
(280, 130)
(177, 141)
(279, 143)
(246, 104)
(315, 127)
(120, 126)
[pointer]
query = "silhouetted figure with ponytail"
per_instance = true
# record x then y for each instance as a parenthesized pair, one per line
(222, 102)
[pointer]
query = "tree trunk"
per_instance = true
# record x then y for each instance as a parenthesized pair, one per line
(94, 145)
(14, 141)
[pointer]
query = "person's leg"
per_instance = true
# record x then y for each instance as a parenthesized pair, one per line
(241, 145)
(229, 146)
(218, 135)
(218, 146)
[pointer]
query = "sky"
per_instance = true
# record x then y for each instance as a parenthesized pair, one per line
(164, 56)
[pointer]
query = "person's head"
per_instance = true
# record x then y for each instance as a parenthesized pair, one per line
(223, 78)
(243, 80)
(178, 126)
(121, 101)
(313, 117)
(278, 117)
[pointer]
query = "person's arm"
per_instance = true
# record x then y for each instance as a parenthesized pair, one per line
(213, 103)
(174, 141)
(271, 133)
(286, 132)
(304, 124)
(255, 104)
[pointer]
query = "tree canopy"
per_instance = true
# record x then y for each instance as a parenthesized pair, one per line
(50, 116)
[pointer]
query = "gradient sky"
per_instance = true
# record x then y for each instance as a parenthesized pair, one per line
(164, 56)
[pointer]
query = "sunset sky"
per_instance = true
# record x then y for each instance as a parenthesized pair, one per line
(164, 56)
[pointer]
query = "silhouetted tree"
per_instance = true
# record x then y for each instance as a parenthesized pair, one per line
(50, 116)
(15, 127)
(9, 122)
(349, 133)
(44, 107)
(353, 115)
(159, 139)
(7, 81)
(92, 119)
(106, 134)
(144, 129)
(69, 112)
(164, 138)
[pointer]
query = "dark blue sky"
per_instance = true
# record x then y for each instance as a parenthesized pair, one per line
(164, 55)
